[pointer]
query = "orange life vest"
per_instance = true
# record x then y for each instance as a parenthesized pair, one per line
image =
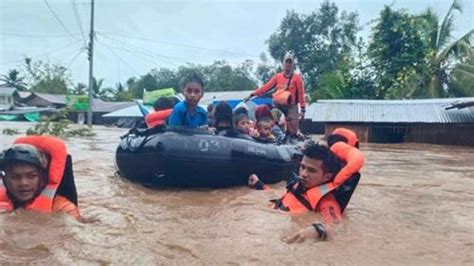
(56, 149)
(157, 118)
(301, 203)
(353, 159)
(348, 134)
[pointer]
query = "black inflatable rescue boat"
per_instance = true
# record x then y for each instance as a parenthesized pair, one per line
(183, 157)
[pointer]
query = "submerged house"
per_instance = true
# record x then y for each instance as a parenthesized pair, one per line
(45, 100)
(437, 121)
(7, 97)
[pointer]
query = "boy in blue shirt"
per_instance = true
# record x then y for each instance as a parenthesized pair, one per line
(188, 113)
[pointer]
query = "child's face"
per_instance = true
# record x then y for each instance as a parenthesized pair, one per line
(243, 125)
(23, 181)
(264, 128)
(312, 173)
(193, 93)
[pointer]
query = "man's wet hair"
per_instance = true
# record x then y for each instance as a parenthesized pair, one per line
(320, 152)
(163, 103)
(334, 138)
(193, 77)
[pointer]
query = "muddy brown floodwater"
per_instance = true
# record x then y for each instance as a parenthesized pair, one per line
(414, 205)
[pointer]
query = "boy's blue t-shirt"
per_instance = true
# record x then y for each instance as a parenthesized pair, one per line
(181, 117)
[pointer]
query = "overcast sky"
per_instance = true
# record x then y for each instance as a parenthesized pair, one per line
(135, 36)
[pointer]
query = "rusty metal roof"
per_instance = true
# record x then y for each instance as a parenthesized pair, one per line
(391, 111)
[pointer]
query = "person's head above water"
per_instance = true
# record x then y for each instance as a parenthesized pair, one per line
(345, 135)
(318, 165)
(26, 172)
(193, 89)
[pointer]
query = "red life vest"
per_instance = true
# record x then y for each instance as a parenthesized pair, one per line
(56, 149)
(157, 118)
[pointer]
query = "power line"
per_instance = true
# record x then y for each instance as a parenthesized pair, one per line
(114, 53)
(33, 36)
(58, 19)
(78, 20)
(44, 54)
(149, 53)
(75, 57)
(180, 45)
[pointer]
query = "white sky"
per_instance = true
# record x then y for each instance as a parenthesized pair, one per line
(135, 36)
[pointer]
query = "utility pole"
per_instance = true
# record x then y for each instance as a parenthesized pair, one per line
(91, 60)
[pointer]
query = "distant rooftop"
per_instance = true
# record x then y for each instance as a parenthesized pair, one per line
(391, 111)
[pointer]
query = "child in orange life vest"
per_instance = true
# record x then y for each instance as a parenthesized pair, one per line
(33, 170)
(163, 108)
(344, 144)
(310, 191)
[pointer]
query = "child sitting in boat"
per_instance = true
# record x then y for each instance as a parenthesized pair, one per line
(266, 125)
(223, 117)
(241, 120)
(163, 108)
(264, 129)
(188, 113)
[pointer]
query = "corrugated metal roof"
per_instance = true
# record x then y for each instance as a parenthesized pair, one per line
(209, 97)
(390, 111)
(131, 111)
(100, 106)
(24, 94)
(52, 98)
(4, 90)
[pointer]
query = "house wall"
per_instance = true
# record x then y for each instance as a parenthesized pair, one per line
(450, 134)
(6, 102)
(447, 134)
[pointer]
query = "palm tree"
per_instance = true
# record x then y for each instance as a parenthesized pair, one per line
(462, 81)
(99, 92)
(13, 79)
(443, 52)
(79, 89)
(121, 93)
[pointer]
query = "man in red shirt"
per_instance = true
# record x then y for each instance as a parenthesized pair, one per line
(291, 82)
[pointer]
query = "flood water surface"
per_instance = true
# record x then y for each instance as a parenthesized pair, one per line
(414, 205)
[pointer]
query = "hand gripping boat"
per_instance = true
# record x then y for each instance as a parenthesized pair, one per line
(195, 158)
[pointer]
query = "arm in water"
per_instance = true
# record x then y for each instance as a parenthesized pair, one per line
(331, 214)
(327, 207)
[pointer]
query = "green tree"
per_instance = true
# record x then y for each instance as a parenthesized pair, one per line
(148, 81)
(323, 41)
(48, 78)
(221, 76)
(265, 70)
(443, 52)
(105, 94)
(121, 94)
(13, 79)
(397, 51)
(461, 83)
(79, 89)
